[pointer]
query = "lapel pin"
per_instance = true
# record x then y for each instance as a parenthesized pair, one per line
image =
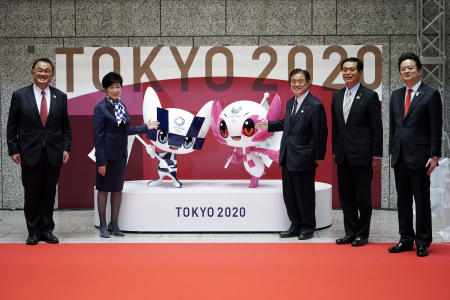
(54, 96)
(302, 111)
(417, 93)
(358, 97)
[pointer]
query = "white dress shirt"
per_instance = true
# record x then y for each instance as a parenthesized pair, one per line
(299, 102)
(414, 91)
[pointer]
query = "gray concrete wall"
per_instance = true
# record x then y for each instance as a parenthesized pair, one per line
(34, 28)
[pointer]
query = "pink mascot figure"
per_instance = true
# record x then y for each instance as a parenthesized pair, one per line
(235, 127)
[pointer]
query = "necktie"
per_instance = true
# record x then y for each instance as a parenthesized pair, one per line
(294, 110)
(119, 111)
(43, 111)
(347, 105)
(408, 101)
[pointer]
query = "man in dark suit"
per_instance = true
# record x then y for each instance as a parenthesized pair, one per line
(415, 116)
(357, 138)
(302, 149)
(39, 139)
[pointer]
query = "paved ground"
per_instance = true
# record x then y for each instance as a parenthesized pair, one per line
(77, 226)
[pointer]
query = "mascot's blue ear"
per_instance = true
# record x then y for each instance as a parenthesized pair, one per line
(195, 127)
(198, 145)
(163, 118)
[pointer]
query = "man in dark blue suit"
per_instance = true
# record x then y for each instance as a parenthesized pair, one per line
(302, 149)
(415, 131)
(39, 139)
(357, 149)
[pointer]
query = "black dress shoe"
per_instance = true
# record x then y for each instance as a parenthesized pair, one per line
(422, 251)
(401, 247)
(32, 239)
(291, 232)
(359, 241)
(48, 238)
(345, 240)
(305, 235)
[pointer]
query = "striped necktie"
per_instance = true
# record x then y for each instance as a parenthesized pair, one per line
(347, 105)
(294, 110)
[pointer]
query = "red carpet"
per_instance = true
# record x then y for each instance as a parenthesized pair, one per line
(221, 271)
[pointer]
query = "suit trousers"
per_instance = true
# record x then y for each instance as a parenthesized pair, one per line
(39, 184)
(354, 185)
(413, 182)
(299, 195)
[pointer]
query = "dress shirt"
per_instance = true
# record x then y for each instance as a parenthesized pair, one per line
(353, 91)
(414, 91)
(38, 96)
(299, 102)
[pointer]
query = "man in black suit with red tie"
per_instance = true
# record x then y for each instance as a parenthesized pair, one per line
(302, 149)
(39, 139)
(357, 148)
(415, 116)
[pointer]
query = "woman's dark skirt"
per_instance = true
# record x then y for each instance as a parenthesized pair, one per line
(114, 177)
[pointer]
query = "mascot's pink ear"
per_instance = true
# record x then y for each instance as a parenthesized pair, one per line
(274, 112)
(216, 110)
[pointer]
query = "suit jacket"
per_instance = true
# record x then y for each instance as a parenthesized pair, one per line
(304, 137)
(418, 135)
(361, 138)
(25, 131)
(111, 141)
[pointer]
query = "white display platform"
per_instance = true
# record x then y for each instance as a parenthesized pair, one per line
(210, 205)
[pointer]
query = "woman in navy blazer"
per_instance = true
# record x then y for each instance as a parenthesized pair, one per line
(111, 130)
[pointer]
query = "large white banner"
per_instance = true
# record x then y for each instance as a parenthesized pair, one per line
(79, 70)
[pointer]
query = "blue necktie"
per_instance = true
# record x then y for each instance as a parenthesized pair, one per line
(294, 110)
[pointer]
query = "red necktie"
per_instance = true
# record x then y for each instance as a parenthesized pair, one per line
(43, 112)
(408, 101)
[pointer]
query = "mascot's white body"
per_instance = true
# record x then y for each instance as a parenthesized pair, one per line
(235, 127)
(179, 132)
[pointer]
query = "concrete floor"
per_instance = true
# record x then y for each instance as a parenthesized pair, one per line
(77, 226)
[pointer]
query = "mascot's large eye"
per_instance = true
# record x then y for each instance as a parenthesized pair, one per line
(223, 129)
(162, 137)
(248, 127)
(188, 141)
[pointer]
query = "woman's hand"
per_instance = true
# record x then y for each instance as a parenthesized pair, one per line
(152, 124)
(102, 170)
